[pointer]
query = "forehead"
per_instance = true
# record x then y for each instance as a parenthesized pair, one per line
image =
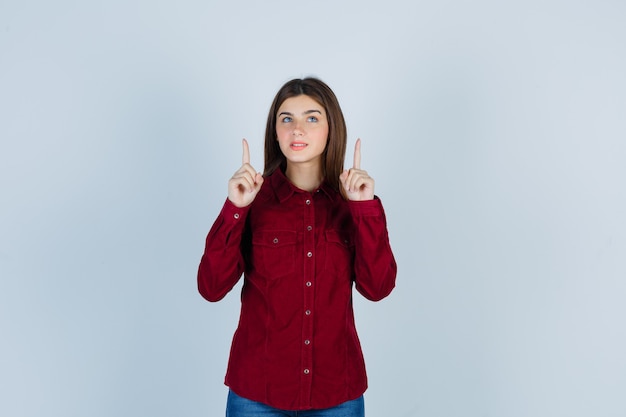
(300, 104)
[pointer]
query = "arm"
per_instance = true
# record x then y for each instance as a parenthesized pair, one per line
(222, 262)
(374, 264)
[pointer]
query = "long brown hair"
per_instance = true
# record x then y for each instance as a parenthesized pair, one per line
(335, 152)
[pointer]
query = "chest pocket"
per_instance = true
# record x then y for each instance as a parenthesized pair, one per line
(273, 253)
(339, 252)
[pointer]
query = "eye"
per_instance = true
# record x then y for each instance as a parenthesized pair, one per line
(286, 119)
(312, 119)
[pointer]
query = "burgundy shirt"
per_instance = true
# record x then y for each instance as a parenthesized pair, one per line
(296, 345)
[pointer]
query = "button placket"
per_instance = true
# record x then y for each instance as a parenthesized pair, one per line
(308, 293)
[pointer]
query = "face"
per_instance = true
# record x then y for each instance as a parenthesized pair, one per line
(302, 130)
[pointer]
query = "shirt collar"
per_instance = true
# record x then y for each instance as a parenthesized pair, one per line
(284, 189)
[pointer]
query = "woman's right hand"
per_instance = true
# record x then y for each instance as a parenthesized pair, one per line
(245, 183)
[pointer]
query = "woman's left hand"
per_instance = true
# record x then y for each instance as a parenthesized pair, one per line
(358, 185)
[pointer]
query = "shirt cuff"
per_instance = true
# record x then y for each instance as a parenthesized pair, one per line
(233, 214)
(367, 208)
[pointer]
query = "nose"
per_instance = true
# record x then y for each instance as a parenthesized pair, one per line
(297, 130)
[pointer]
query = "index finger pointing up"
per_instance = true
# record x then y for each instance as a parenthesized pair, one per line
(357, 154)
(246, 153)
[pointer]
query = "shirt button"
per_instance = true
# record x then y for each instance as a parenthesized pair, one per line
(306, 371)
(309, 228)
(308, 202)
(308, 312)
(236, 215)
(307, 342)
(309, 254)
(308, 283)
(275, 240)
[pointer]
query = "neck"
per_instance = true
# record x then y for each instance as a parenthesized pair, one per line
(306, 177)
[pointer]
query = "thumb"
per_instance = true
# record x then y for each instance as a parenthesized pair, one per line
(258, 179)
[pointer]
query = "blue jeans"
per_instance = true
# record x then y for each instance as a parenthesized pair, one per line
(237, 406)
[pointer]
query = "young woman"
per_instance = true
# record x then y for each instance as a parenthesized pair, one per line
(301, 234)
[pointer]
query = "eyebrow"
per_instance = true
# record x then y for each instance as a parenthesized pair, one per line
(306, 112)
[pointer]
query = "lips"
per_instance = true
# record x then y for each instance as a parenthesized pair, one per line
(298, 146)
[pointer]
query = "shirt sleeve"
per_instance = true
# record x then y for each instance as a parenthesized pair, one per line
(374, 265)
(222, 262)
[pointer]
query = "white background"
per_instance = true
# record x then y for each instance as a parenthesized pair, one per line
(496, 133)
